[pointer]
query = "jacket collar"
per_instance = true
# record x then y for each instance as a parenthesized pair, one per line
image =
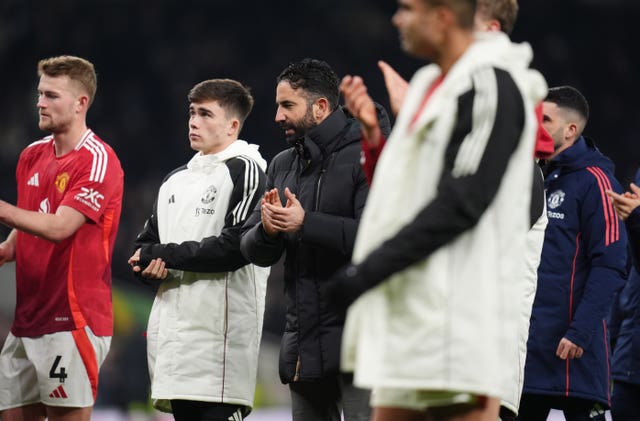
(583, 153)
(323, 139)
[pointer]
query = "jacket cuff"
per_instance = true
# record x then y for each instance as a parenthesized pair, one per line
(579, 338)
(266, 238)
(146, 256)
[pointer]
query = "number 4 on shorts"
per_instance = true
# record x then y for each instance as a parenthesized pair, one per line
(62, 374)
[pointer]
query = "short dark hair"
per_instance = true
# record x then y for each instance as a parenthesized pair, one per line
(231, 95)
(570, 98)
(76, 68)
(315, 77)
(464, 10)
(504, 11)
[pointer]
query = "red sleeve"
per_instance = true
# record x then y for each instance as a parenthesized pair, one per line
(370, 155)
(90, 190)
(544, 141)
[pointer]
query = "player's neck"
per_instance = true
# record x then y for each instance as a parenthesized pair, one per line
(66, 141)
(458, 42)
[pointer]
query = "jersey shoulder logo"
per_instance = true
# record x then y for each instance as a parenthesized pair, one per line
(33, 181)
(90, 197)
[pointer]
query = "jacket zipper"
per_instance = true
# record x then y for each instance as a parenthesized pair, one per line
(325, 164)
(317, 204)
(296, 376)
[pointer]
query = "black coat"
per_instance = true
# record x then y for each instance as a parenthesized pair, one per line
(325, 175)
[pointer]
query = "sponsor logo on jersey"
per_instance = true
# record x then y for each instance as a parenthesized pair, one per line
(172, 199)
(61, 181)
(555, 215)
(209, 195)
(90, 197)
(205, 211)
(45, 207)
(33, 181)
(554, 200)
(58, 392)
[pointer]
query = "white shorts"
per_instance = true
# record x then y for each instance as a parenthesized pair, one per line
(57, 369)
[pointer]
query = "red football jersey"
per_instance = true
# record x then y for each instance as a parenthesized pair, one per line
(67, 285)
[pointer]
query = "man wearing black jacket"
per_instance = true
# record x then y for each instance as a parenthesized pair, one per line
(316, 191)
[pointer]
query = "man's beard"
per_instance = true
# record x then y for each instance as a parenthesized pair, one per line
(300, 129)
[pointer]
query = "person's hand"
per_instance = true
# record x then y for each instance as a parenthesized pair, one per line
(134, 261)
(155, 269)
(288, 218)
(396, 86)
(625, 203)
(272, 198)
(7, 252)
(361, 106)
(568, 350)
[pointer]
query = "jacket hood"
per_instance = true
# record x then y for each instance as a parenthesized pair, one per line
(583, 153)
(496, 49)
(237, 148)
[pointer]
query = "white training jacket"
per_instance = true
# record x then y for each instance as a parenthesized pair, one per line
(206, 321)
(445, 226)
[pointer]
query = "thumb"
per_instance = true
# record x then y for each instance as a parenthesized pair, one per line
(385, 68)
(635, 189)
(612, 195)
(387, 72)
(289, 194)
(291, 198)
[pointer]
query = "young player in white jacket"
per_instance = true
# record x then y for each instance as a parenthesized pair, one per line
(206, 322)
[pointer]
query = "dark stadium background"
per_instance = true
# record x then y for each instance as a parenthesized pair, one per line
(148, 54)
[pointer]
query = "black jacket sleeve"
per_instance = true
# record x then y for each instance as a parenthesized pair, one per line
(217, 253)
(464, 191)
(256, 246)
(149, 234)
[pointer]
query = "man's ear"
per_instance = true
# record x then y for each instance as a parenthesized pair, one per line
(321, 109)
(234, 127)
(494, 26)
(83, 103)
(571, 131)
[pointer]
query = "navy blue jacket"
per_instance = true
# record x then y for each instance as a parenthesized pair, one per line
(583, 266)
(625, 315)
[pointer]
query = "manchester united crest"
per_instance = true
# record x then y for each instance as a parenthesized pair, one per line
(209, 195)
(61, 182)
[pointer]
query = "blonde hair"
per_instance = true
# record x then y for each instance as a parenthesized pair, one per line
(76, 68)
